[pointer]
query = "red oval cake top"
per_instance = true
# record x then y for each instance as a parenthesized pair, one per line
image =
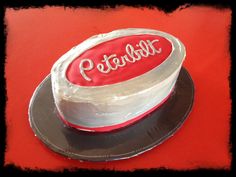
(118, 60)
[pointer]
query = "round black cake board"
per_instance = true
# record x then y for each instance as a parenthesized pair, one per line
(123, 143)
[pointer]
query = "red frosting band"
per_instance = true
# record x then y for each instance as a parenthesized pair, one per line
(114, 127)
(118, 46)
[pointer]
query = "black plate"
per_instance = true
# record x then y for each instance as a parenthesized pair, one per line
(119, 144)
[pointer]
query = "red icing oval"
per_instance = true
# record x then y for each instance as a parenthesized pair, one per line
(143, 60)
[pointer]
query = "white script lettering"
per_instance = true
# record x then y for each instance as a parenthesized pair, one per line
(112, 62)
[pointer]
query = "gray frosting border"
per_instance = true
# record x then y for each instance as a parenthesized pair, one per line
(65, 89)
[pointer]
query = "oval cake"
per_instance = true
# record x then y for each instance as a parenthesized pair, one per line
(112, 80)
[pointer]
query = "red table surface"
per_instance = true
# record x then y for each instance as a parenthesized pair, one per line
(36, 38)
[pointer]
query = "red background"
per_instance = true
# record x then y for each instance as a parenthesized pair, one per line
(38, 37)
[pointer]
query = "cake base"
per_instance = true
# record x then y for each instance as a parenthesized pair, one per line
(123, 143)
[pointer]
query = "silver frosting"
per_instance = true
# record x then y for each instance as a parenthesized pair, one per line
(99, 106)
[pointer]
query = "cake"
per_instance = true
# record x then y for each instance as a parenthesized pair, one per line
(112, 80)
